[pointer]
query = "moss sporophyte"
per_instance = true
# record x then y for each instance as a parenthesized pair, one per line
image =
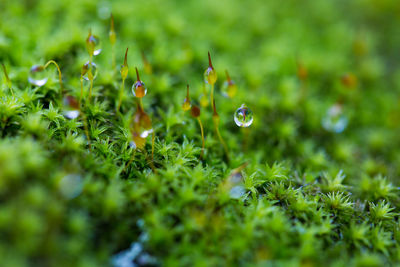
(314, 183)
(124, 73)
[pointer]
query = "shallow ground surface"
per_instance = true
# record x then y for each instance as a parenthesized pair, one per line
(312, 181)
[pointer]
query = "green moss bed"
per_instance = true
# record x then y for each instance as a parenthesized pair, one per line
(299, 187)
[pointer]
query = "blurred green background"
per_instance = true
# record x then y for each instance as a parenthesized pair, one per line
(62, 205)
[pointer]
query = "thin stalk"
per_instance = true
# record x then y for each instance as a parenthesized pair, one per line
(150, 162)
(216, 124)
(120, 95)
(113, 38)
(113, 59)
(202, 137)
(245, 138)
(9, 84)
(85, 127)
(131, 160)
(222, 141)
(153, 137)
(212, 95)
(90, 89)
(80, 98)
(59, 75)
(141, 103)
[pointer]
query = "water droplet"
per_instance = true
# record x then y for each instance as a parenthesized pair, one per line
(126, 258)
(37, 76)
(146, 133)
(132, 145)
(71, 186)
(90, 72)
(71, 107)
(237, 192)
(210, 76)
(243, 116)
(96, 52)
(186, 103)
(104, 10)
(229, 89)
(93, 45)
(71, 114)
(140, 127)
(139, 89)
(334, 120)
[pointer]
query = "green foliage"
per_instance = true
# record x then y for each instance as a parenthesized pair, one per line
(75, 192)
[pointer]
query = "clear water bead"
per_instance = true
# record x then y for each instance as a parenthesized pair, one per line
(229, 89)
(139, 89)
(237, 192)
(90, 71)
(70, 107)
(243, 116)
(210, 76)
(37, 76)
(335, 120)
(94, 42)
(71, 186)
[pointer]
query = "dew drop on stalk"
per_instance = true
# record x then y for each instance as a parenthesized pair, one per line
(93, 45)
(132, 145)
(186, 102)
(139, 89)
(229, 87)
(243, 116)
(210, 75)
(335, 120)
(37, 76)
(142, 123)
(89, 71)
(70, 107)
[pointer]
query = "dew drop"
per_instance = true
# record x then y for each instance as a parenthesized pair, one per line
(140, 127)
(71, 186)
(93, 43)
(104, 10)
(132, 145)
(70, 107)
(145, 133)
(210, 76)
(90, 71)
(186, 105)
(243, 116)
(335, 120)
(37, 76)
(71, 114)
(139, 89)
(229, 89)
(237, 192)
(96, 52)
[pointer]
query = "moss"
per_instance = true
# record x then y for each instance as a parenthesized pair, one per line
(312, 181)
